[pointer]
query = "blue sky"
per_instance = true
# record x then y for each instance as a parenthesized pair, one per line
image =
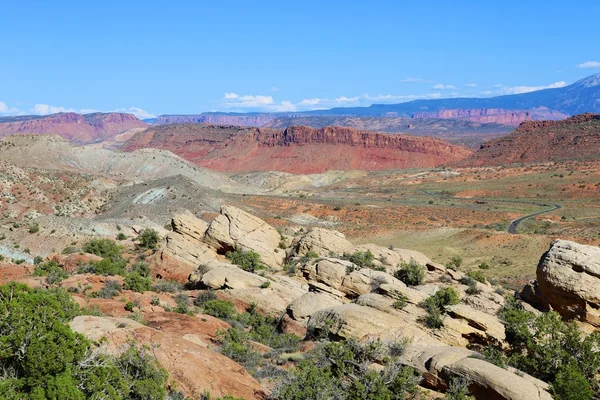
(152, 58)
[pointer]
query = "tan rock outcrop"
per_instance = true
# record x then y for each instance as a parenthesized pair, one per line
(192, 366)
(237, 228)
(439, 364)
(568, 276)
(301, 309)
(322, 241)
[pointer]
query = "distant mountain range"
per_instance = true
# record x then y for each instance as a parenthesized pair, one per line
(548, 104)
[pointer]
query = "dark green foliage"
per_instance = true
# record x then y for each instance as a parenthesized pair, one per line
(220, 309)
(34, 228)
(472, 289)
(36, 260)
(234, 344)
(265, 285)
(129, 306)
(444, 297)
(141, 268)
(477, 275)
(411, 273)
(436, 306)
(138, 283)
(104, 248)
(400, 303)
(52, 270)
(69, 250)
(458, 390)
(246, 260)
(362, 259)
(202, 298)
(105, 267)
(121, 236)
(47, 360)
(341, 371)
(148, 238)
(570, 384)
(454, 263)
(548, 348)
(484, 265)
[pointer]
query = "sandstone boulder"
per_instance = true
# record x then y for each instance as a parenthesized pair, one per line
(236, 228)
(439, 364)
(301, 308)
(355, 321)
(568, 277)
(329, 271)
(322, 241)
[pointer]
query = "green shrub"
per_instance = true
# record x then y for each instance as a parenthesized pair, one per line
(458, 390)
(570, 384)
(545, 346)
(202, 298)
(69, 250)
(246, 260)
(182, 302)
(454, 263)
(111, 289)
(442, 298)
(141, 268)
(47, 360)
(148, 238)
(166, 286)
(338, 371)
(52, 270)
(434, 319)
(138, 283)
(411, 273)
(485, 265)
(155, 301)
(105, 267)
(234, 344)
(121, 236)
(362, 259)
(473, 289)
(104, 248)
(36, 260)
(34, 228)
(129, 306)
(265, 285)
(219, 309)
(400, 303)
(477, 275)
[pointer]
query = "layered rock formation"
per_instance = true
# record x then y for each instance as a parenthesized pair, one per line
(495, 115)
(77, 128)
(568, 276)
(540, 141)
(296, 149)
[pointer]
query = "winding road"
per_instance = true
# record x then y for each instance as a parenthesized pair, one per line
(512, 227)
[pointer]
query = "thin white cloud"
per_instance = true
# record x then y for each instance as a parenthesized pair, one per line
(415, 80)
(274, 89)
(310, 102)
(589, 64)
(441, 86)
(344, 99)
(138, 112)
(471, 85)
(527, 89)
(6, 110)
(284, 106)
(233, 100)
(45, 109)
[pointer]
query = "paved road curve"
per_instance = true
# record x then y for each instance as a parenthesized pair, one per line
(512, 228)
